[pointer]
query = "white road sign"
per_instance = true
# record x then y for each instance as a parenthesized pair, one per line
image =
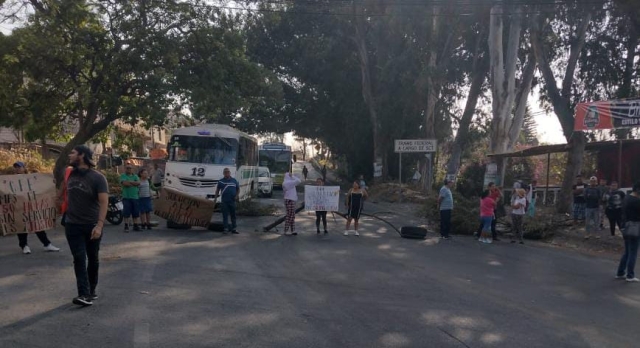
(416, 145)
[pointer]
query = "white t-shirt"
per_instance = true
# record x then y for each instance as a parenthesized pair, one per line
(289, 187)
(523, 203)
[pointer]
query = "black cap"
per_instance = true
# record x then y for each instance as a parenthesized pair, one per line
(88, 154)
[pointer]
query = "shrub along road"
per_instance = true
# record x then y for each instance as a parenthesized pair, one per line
(196, 288)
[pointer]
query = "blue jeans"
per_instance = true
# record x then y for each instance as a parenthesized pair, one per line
(592, 218)
(628, 260)
(84, 249)
(445, 222)
(228, 209)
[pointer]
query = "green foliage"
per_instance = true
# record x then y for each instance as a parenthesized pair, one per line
(89, 63)
(471, 180)
(31, 158)
(113, 179)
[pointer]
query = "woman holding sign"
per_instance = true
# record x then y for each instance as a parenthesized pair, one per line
(321, 215)
(20, 168)
(290, 198)
(354, 203)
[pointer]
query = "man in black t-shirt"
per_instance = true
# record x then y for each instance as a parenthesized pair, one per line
(88, 199)
(578, 200)
(592, 200)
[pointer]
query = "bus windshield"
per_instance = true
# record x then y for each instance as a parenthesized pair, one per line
(205, 150)
(278, 161)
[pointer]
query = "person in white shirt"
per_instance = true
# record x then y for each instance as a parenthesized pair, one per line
(517, 214)
(290, 198)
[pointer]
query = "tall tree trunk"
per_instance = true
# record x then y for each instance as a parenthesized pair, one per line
(462, 136)
(367, 85)
(563, 107)
(433, 90)
(503, 70)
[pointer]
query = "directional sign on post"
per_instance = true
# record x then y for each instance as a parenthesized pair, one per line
(416, 145)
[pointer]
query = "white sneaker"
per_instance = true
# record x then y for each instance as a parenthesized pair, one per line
(346, 233)
(26, 250)
(357, 234)
(633, 280)
(51, 247)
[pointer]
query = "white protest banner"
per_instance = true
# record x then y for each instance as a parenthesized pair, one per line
(321, 198)
(27, 203)
(183, 209)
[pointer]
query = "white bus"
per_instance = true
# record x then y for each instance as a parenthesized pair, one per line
(198, 155)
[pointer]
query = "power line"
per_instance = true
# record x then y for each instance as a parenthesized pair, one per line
(368, 15)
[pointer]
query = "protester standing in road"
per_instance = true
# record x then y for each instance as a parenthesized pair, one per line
(20, 168)
(631, 234)
(613, 202)
(290, 198)
(496, 195)
(144, 199)
(355, 203)
(517, 215)
(592, 200)
(324, 173)
(230, 189)
(88, 199)
(578, 200)
(487, 211)
(445, 205)
(130, 195)
(305, 172)
(321, 215)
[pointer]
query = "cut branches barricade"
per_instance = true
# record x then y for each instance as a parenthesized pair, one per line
(183, 209)
(27, 203)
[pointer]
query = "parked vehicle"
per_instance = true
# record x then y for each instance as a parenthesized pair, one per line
(114, 213)
(276, 157)
(265, 182)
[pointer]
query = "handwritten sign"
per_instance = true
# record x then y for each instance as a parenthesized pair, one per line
(27, 203)
(183, 209)
(321, 198)
(416, 145)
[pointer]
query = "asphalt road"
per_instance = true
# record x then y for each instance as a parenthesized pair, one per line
(197, 288)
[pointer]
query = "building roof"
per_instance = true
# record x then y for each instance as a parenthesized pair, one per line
(557, 148)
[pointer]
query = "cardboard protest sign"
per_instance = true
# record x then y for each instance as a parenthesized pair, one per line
(321, 198)
(183, 209)
(27, 203)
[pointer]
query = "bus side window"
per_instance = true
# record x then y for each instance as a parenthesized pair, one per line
(241, 152)
(253, 153)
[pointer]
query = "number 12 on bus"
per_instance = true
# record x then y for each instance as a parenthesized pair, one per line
(198, 155)
(277, 157)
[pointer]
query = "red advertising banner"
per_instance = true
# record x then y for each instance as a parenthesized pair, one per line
(607, 115)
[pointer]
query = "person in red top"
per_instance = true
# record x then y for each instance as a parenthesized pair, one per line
(496, 195)
(487, 215)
